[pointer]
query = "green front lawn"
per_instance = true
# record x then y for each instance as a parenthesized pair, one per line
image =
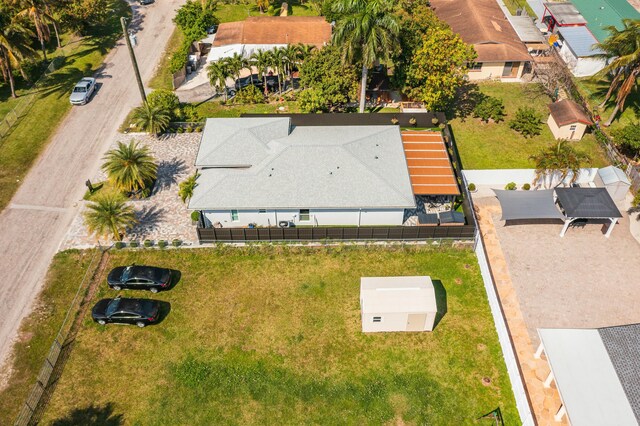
(272, 335)
(83, 57)
(216, 109)
(496, 146)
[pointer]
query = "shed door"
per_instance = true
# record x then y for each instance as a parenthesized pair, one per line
(415, 322)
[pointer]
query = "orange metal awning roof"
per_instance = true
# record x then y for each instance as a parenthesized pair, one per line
(429, 165)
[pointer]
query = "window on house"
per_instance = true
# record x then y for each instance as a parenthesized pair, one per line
(262, 211)
(476, 66)
(305, 215)
(573, 127)
(234, 215)
(377, 319)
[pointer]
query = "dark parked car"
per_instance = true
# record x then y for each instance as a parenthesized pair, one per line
(243, 82)
(139, 278)
(140, 312)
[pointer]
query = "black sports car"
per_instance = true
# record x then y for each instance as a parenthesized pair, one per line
(139, 278)
(140, 312)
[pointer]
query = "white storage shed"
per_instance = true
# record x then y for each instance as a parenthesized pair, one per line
(614, 180)
(397, 304)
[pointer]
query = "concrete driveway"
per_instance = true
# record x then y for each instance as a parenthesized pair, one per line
(34, 224)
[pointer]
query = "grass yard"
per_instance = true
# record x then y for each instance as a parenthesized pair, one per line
(38, 331)
(271, 335)
(216, 109)
(20, 149)
(496, 146)
(595, 89)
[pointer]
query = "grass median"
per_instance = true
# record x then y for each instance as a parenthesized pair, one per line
(28, 139)
(272, 335)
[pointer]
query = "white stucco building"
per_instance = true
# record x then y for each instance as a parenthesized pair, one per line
(266, 172)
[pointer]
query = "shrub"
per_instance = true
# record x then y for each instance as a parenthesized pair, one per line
(471, 187)
(413, 121)
(166, 100)
(195, 216)
(198, 129)
(190, 113)
(527, 122)
(119, 245)
(489, 108)
(133, 244)
(180, 130)
(511, 186)
(148, 243)
(249, 95)
(628, 137)
(176, 243)
(189, 129)
(526, 186)
(162, 244)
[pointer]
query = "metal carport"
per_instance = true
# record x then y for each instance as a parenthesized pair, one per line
(587, 203)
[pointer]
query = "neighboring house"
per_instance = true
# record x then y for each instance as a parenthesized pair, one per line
(268, 32)
(529, 34)
(578, 51)
(601, 14)
(265, 171)
(483, 24)
(568, 120)
(562, 14)
(397, 304)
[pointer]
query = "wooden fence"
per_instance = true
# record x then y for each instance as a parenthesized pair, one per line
(383, 233)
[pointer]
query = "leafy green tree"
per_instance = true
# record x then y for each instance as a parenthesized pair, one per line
(187, 186)
(153, 119)
(438, 68)
(80, 15)
(622, 48)
(629, 137)
(165, 100)
(249, 95)
(109, 214)
(218, 73)
(15, 45)
(130, 167)
(366, 32)
(334, 84)
(489, 108)
(194, 17)
(527, 122)
(559, 160)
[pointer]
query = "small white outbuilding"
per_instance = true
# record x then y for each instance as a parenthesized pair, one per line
(614, 180)
(397, 304)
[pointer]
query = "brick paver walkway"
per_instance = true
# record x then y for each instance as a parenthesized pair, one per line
(162, 216)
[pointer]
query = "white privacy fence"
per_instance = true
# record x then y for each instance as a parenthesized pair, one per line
(501, 177)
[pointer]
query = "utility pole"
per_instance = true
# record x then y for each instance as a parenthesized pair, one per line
(136, 71)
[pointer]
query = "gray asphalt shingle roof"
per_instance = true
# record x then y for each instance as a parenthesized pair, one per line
(311, 167)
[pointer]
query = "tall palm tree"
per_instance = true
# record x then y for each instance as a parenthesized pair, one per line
(14, 46)
(236, 64)
(218, 73)
(561, 158)
(36, 11)
(624, 47)
(130, 167)
(292, 57)
(187, 186)
(261, 60)
(278, 59)
(109, 214)
(366, 33)
(153, 119)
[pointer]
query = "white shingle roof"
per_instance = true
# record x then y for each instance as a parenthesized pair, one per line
(311, 167)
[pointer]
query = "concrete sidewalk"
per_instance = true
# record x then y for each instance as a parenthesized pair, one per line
(34, 224)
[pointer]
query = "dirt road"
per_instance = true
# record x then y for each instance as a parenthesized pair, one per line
(34, 224)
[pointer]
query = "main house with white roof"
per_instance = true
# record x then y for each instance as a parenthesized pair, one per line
(266, 172)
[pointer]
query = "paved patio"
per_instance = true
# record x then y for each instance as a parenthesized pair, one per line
(162, 216)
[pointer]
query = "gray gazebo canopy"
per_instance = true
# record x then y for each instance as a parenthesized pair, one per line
(587, 203)
(519, 205)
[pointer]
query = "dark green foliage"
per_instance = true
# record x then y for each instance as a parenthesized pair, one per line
(332, 85)
(489, 108)
(166, 100)
(629, 138)
(511, 186)
(249, 95)
(190, 113)
(526, 187)
(527, 122)
(195, 216)
(80, 15)
(193, 19)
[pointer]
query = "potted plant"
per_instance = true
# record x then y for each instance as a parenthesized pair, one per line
(526, 187)
(511, 186)
(195, 217)
(394, 120)
(162, 244)
(472, 187)
(413, 121)
(435, 121)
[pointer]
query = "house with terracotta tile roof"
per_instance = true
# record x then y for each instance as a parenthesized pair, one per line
(268, 32)
(481, 23)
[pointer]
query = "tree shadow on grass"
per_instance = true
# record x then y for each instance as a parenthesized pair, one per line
(441, 301)
(97, 415)
(467, 98)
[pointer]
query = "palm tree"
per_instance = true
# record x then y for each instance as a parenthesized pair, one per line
(130, 167)
(14, 46)
(292, 56)
(261, 60)
(278, 59)
(236, 64)
(365, 33)
(38, 13)
(187, 186)
(109, 214)
(624, 47)
(562, 158)
(151, 118)
(218, 73)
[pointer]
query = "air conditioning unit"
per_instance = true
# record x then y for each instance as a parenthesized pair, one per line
(285, 224)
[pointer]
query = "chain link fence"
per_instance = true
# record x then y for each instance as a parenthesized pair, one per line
(51, 370)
